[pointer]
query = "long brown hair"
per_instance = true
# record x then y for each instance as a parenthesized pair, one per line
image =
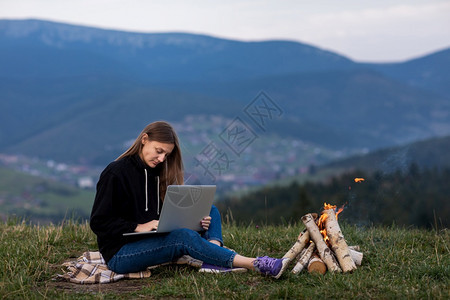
(172, 169)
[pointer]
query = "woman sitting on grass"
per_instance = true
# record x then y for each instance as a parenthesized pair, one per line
(128, 199)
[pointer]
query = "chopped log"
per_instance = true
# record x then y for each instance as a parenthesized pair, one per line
(302, 240)
(356, 256)
(304, 258)
(300, 244)
(337, 241)
(316, 265)
(322, 248)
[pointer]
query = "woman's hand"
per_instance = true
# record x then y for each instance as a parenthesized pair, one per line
(205, 222)
(149, 226)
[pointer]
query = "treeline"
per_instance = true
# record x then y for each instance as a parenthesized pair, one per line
(415, 197)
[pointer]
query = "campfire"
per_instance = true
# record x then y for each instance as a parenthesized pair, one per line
(322, 246)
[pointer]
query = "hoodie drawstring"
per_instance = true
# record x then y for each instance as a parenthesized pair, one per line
(157, 192)
(146, 191)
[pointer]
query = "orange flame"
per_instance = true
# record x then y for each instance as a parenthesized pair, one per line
(359, 179)
(323, 217)
(328, 206)
(321, 222)
(321, 225)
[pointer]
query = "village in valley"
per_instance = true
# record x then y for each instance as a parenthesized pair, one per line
(207, 158)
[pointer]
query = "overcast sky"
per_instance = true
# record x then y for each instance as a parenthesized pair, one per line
(378, 31)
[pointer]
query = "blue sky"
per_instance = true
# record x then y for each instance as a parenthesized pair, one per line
(378, 31)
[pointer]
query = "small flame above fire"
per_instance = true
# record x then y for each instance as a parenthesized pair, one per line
(359, 179)
(340, 209)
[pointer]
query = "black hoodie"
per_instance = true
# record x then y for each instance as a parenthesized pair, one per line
(127, 195)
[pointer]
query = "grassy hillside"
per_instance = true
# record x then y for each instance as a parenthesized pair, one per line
(398, 263)
(41, 199)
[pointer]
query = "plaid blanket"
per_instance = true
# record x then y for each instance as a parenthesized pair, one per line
(91, 268)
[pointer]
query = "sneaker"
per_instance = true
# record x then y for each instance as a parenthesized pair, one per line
(207, 268)
(271, 266)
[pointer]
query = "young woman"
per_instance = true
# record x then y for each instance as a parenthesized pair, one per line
(128, 199)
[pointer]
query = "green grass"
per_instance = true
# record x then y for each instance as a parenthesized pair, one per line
(399, 263)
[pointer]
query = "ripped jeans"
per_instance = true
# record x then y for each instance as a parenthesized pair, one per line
(158, 249)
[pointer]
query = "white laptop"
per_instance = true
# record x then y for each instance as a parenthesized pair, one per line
(184, 207)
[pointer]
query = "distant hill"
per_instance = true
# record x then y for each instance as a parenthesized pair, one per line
(73, 93)
(34, 48)
(427, 154)
(431, 72)
(349, 108)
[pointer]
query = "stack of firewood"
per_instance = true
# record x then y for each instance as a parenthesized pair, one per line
(321, 246)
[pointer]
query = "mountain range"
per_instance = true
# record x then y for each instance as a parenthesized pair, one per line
(77, 94)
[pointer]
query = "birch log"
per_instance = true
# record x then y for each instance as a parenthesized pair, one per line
(304, 258)
(324, 252)
(356, 256)
(302, 240)
(316, 265)
(337, 242)
(300, 244)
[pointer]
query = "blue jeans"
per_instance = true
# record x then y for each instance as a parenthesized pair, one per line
(158, 249)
